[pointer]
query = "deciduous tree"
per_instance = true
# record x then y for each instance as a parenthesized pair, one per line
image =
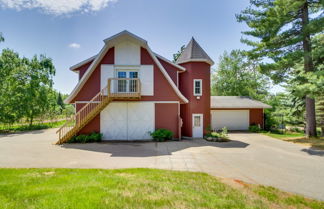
(236, 75)
(40, 72)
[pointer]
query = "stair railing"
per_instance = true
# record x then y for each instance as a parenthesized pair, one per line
(84, 113)
(132, 87)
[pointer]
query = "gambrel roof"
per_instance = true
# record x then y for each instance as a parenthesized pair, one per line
(110, 42)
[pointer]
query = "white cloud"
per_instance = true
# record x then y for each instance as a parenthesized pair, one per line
(74, 45)
(57, 7)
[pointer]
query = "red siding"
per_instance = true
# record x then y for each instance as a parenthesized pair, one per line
(256, 117)
(172, 71)
(166, 116)
(162, 89)
(195, 70)
(92, 126)
(92, 86)
(82, 69)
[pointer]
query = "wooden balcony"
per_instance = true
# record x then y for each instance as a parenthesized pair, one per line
(124, 88)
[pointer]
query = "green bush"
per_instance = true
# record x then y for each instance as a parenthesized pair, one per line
(161, 135)
(224, 132)
(254, 128)
(218, 136)
(86, 138)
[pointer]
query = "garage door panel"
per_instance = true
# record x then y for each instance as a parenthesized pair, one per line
(113, 120)
(140, 120)
(127, 121)
(231, 119)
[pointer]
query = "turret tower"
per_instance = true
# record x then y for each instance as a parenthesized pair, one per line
(194, 84)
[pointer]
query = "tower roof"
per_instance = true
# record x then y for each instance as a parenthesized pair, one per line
(194, 53)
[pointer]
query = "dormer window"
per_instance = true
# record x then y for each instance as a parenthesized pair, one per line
(197, 87)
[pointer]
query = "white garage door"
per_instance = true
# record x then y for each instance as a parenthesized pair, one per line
(231, 119)
(127, 121)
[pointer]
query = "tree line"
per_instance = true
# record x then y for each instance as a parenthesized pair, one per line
(26, 89)
(286, 47)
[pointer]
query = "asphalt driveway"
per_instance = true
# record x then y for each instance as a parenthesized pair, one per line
(250, 157)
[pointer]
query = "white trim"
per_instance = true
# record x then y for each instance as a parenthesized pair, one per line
(125, 32)
(104, 50)
(178, 79)
(167, 102)
(211, 63)
(194, 87)
(127, 67)
(83, 62)
(85, 102)
(263, 118)
(201, 123)
(170, 62)
(156, 102)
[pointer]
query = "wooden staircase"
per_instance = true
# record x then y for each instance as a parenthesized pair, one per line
(87, 113)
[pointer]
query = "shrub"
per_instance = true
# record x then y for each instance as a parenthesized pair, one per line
(161, 135)
(224, 132)
(218, 136)
(296, 129)
(254, 128)
(86, 138)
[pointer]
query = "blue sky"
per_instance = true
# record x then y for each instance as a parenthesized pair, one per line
(71, 33)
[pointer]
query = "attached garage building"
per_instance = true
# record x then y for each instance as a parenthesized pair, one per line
(236, 112)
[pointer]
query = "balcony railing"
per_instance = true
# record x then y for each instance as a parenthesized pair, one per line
(124, 87)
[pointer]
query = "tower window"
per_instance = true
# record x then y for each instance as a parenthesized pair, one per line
(197, 87)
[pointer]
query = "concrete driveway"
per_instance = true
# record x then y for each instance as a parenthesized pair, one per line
(253, 158)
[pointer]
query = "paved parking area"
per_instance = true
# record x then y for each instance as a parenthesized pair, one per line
(253, 158)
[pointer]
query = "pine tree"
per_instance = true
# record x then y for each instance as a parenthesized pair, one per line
(284, 29)
(1, 37)
(60, 102)
(177, 55)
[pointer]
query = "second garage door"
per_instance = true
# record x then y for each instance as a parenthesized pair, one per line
(127, 121)
(231, 119)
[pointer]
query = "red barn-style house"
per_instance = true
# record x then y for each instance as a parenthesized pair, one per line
(127, 91)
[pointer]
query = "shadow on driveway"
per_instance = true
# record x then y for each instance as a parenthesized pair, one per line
(149, 149)
(311, 151)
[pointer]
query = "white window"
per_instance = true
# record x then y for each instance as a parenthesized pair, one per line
(126, 85)
(197, 120)
(197, 90)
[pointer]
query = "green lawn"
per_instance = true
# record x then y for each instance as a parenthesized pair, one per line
(18, 127)
(135, 188)
(284, 135)
(299, 138)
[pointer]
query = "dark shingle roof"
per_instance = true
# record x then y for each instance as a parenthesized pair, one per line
(235, 102)
(194, 52)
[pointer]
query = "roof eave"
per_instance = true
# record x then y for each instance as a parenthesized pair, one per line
(125, 32)
(247, 107)
(182, 69)
(74, 67)
(210, 62)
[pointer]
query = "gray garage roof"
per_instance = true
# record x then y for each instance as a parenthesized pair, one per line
(236, 102)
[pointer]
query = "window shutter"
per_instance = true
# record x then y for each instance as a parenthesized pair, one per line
(147, 80)
(107, 71)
